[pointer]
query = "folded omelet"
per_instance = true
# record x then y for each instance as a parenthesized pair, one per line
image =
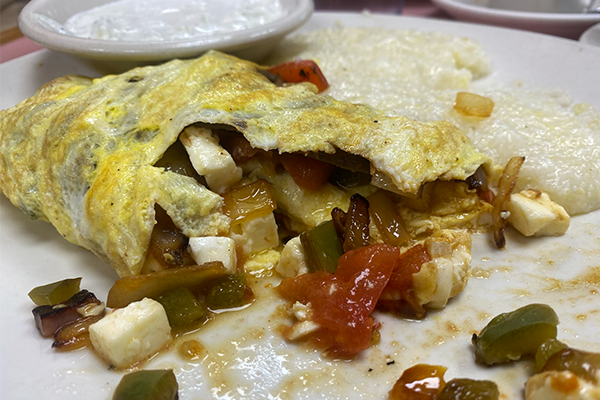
(80, 153)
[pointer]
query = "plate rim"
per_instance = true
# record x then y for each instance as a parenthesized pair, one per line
(516, 15)
(430, 24)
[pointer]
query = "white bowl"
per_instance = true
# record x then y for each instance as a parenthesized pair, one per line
(565, 24)
(41, 21)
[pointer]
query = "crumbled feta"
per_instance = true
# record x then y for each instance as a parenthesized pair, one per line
(214, 248)
(560, 385)
(256, 235)
(304, 326)
(533, 214)
(131, 334)
(292, 262)
(302, 312)
(301, 329)
(209, 159)
(448, 272)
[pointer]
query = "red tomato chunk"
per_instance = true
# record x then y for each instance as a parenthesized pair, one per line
(399, 295)
(342, 302)
(307, 172)
(301, 71)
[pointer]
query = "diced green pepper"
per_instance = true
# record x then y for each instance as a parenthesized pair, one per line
(182, 308)
(469, 389)
(322, 247)
(147, 385)
(135, 287)
(228, 293)
(54, 293)
(547, 350)
(510, 336)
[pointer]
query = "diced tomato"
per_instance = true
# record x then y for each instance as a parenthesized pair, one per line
(399, 292)
(307, 172)
(342, 302)
(408, 263)
(301, 71)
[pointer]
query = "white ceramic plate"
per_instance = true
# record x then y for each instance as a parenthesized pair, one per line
(569, 25)
(245, 356)
(591, 35)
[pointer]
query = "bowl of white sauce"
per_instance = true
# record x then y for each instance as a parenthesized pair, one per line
(158, 30)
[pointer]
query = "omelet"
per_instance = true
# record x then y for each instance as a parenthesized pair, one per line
(81, 152)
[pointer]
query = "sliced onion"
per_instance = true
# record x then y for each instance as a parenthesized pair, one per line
(75, 334)
(353, 226)
(49, 319)
(387, 218)
(423, 202)
(249, 201)
(473, 105)
(506, 184)
(167, 245)
(479, 181)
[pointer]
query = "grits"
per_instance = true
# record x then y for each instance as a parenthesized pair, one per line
(418, 74)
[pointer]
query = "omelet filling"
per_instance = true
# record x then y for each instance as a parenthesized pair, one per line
(272, 198)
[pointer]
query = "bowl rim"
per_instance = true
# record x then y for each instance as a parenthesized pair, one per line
(156, 50)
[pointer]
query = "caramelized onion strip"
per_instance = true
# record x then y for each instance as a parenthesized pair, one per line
(75, 334)
(506, 184)
(353, 226)
(387, 218)
(479, 182)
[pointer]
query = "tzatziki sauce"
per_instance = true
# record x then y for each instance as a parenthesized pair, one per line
(168, 20)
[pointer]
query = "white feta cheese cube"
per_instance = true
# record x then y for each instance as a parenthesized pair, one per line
(209, 159)
(533, 214)
(256, 235)
(449, 270)
(214, 248)
(292, 262)
(131, 334)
